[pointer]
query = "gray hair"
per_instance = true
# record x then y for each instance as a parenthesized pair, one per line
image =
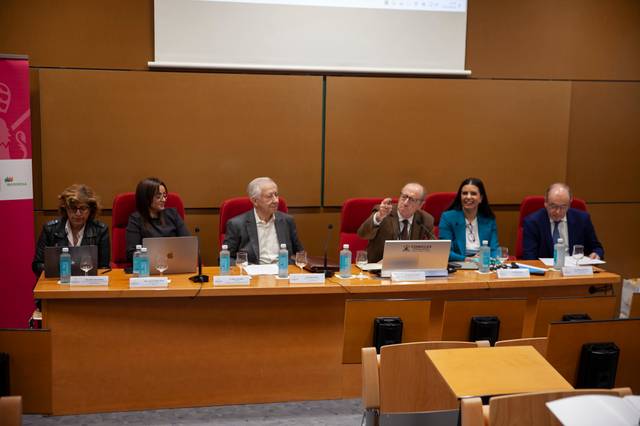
(255, 186)
(557, 185)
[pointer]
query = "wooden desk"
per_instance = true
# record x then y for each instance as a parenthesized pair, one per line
(495, 371)
(116, 348)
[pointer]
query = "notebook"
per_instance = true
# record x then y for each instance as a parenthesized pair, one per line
(181, 254)
(52, 260)
(430, 256)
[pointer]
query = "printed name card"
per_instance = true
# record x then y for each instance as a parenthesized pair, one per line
(306, 278)
(148, 282)
(576, 271)
(231, 279)
(513, 273)
(412, 276)
(93, 280)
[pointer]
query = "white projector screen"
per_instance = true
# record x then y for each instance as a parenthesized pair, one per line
(361, 36)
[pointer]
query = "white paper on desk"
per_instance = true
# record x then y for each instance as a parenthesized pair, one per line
(271, 269)
(570, 261)
(587, 410)
(371, 266)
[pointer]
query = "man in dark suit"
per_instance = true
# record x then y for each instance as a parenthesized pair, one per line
(541, 229)
(406, 221)
(261, 230)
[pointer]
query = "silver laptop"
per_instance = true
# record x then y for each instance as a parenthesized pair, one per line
(181, 254)
(52, 260)
(430, 256)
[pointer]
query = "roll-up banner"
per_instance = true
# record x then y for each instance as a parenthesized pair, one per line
(16, 194)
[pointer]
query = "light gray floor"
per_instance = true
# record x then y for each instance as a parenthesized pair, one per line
(338, 412)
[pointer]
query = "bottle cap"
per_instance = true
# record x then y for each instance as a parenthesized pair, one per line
(283, 246)
(345, 246)
(143, 249)
(65, 249)
(560, 240)
(225, 247)
(485, 242)
(138, 246)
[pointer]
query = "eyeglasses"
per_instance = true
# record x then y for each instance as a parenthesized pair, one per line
(161, 196)
(270, 196)
(471, 236)
(405, 197)
(81, 209)
(558, 206)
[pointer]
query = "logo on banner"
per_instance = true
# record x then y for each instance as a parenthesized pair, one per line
(11, 181)
(13, 142)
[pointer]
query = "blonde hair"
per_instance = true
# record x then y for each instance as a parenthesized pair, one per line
(76, 195)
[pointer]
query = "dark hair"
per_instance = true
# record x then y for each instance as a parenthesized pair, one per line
(75, 195)
(145, 191)
(483, 209)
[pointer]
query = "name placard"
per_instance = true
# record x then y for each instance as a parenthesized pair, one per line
(148, 282)
(413, 276)
(231, 279)
(306, 278)
(576, 271)
(513, 273)
(93, 280)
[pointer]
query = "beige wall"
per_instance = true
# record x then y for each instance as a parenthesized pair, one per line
(554, 95)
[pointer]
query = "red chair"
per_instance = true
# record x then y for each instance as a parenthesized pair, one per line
(123, 205)
(234, 206)
(534, 203)
(354, 212)
(436, 203)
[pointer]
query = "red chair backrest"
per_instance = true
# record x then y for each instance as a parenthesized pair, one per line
(234, 206)
(123, 205)
(533, 203)
(436, 203)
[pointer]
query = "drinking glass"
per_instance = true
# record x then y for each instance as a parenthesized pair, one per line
(361, 262)
(241, 260)
(161, 264)
(86, 264)
(578, 253)
(503, 254)
(301, 260)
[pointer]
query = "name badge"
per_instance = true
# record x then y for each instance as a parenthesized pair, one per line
(413, 276)
(231, 279)
(576, 271)
(148, 282)
(306, 278)
(97, 280)
(513, 273)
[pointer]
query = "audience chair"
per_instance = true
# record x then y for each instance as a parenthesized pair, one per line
(531, 204)
(123, 205)
(538, 343)
(234, 206)
(521, 409)
(11, 410)
(398, 381)
(354, 212)
(436, 203)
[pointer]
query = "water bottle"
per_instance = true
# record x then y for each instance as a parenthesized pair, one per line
(283, 261)
(485, 256)
(143, 263)
(345, 261)
(136, 259)
(65, 266)
(225, 260)
(558, 254)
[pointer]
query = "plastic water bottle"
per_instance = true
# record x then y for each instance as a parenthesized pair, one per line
(283, 261)
(65, 266)
(485, 256)
(225, 260)
(558, 254)
(136, 259)
(345, 261)
(143, 263)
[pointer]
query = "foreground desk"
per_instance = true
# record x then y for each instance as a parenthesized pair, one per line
(117, 348)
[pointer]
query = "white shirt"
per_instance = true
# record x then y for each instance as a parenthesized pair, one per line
(563, 229)
(267, 239)
(67, 228)
(472, 238)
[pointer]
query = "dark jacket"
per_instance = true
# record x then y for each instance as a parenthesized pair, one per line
(54, 234)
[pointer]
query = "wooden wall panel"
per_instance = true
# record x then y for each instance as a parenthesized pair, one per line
(383, 132)
(116, 34)
(206, 135)
(583, 39)
(604, 141)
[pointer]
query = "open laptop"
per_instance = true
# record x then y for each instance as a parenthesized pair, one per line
(52, 260)
(181, 253)
(430, 256)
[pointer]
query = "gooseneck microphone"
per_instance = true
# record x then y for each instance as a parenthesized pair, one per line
(327, 272)
(429, 233)
(200, 278)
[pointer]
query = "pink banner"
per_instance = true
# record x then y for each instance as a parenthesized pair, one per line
(16, 195)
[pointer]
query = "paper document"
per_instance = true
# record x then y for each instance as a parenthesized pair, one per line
(271, 269)
(570, 261)
(586, 410)
(371, 266)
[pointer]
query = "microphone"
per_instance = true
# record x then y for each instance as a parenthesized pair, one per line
(199, 278)
(429, 233)
(327, 273)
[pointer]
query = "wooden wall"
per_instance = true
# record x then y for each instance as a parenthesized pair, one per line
(554, 95)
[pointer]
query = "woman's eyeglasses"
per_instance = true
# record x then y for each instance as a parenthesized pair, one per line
(161, 196)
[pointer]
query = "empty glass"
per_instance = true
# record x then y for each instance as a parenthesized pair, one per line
(578, 253)
(301, 260)
(361, 262)
(241, 260)
(503, 254)
(86, 264)
(161, 263)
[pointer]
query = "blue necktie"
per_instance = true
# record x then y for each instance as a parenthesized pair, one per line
(556, 232)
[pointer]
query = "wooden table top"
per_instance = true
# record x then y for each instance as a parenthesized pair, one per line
(496, 371)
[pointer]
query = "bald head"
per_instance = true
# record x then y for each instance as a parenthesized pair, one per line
(557, 200)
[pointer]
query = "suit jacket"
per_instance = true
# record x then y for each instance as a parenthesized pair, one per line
(389, 229)
(242, 234)
(536, 234)
(453, 227)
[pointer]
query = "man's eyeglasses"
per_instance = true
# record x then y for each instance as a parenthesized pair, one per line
(161, 196)
(405, 197)
(558, 206)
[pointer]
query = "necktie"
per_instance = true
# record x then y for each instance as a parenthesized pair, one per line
(556, 232)
(405, 230)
